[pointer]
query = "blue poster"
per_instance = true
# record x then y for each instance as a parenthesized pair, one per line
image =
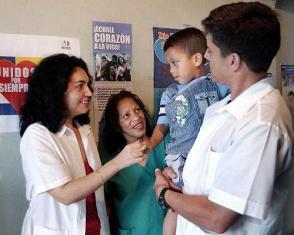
(162, 77)
(287, 72)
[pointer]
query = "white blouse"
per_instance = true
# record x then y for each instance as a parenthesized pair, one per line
(51, 160)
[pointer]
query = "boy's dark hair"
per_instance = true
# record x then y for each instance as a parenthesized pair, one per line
(191, 40)
(251, 30)
(111, 138)
(45, 98)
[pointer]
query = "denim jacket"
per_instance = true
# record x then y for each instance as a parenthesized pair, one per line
(186, 111)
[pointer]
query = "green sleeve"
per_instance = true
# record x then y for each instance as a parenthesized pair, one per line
(159, 152)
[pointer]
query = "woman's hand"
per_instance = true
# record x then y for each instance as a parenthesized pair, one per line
(131, 154)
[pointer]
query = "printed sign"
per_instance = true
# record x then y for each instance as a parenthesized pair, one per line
(19, 55)
(112, 56)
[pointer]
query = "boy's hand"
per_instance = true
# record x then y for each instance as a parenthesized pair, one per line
(149, 146)
(169, 174)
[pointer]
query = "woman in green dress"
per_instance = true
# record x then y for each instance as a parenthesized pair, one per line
(133, 206)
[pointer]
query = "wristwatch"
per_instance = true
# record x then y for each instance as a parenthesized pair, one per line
(161, 199)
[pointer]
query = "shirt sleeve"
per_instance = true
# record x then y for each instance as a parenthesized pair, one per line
(159, 152)
(44, 166)
(254, 159)
(165, 99)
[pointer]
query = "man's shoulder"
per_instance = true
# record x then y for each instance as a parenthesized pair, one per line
(272, 108)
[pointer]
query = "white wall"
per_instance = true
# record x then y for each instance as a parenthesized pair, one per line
(285, 9)
(73, 19)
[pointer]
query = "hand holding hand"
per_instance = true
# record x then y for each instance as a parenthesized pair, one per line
(131, 154)
(160, 182)
(148, 144)
(169, 174)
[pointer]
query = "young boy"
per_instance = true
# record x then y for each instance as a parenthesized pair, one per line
(183, 104)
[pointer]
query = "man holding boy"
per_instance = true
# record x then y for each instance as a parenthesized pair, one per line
(183, 104)
(234, 173)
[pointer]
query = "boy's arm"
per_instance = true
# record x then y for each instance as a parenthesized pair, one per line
(162, 126)
(158, 134)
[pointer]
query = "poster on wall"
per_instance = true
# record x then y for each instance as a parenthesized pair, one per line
(112, 59)
(162, 77)
(19, 55)
(287, 72)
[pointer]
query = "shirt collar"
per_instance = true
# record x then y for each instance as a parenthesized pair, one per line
(248, 98)
(62, 131)
(181, 87)
(84, 130)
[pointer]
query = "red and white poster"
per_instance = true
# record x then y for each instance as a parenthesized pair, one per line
(19, 54)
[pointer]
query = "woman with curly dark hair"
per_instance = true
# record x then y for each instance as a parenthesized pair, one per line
(64, 176)
(133, 206)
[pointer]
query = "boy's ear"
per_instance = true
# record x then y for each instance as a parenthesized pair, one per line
(197, 59)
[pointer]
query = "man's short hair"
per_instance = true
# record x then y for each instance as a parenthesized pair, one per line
(191, 40)
(251, 30)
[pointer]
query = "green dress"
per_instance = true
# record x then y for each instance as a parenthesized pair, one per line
(134, 208)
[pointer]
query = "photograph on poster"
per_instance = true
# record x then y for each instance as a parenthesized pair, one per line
(113, 67)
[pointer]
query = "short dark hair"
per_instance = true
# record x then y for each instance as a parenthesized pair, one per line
(45, 98)
(191, 40)
(111, 138)
(250, 29)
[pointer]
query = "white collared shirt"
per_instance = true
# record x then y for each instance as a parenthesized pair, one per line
(51, 160)
(241, 151)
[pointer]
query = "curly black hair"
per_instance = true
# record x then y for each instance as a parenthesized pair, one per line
(111, 138)
(45, 98)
